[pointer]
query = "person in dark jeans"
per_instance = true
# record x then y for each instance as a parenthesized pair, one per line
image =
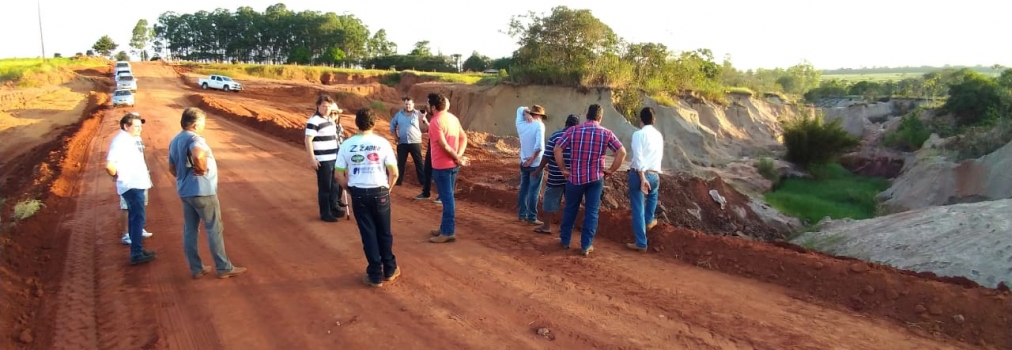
(427, 168)
(126, 165)
(406, 128)
(323, 139)
(367, 167)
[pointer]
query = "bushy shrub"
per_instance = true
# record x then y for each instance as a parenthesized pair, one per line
(811, 141)
(909, 135)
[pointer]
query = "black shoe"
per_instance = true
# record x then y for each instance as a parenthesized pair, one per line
(329, 219)
(144, 257)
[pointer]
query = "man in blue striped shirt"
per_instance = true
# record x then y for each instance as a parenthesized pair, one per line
(556, 184)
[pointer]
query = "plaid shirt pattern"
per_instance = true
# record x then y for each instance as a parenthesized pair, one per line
(588, 143)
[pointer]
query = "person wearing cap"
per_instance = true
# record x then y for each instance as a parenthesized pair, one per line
(125, 163)
(123, 217)
(192, 163)
(323, 139)
(585, 174)
(531, 131)
(555, 187)
(406, 126)
(644, 178)
(367, 167)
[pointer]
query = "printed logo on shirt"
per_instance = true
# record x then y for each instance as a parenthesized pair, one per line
(358, 158)
(359, 148)
(363, 170)
(373, 157)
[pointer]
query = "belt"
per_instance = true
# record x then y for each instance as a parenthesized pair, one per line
(648, 171)
(369, 190)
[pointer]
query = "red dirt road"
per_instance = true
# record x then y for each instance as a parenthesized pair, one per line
(492, 289)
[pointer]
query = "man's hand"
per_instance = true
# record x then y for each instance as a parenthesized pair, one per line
(315, 164)
(462, 161)
(527, 115)
(644, 186)
(565, 172)
(608, 172)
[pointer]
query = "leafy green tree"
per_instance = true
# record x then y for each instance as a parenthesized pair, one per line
(811, 141)
(139, 39)
(122, 56)
(421, 49)
(104, 46)
(477, 62)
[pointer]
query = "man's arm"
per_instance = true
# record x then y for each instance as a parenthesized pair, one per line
(616, 146)
(199, 160)
(393, 124)
(462, 142)
(423, 123)
(110, 168)
(341, 168)
(539, 145)
(342, 177)
(391, 175)
(172, 169)
(440, 136)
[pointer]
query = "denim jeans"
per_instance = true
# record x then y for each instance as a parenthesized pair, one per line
(328, 193)
(208, 210)
(591, 193)
(372, 214)
(643, 209)
(427, 173)
(415, 151)
(136, 217)
(530, 189)
(446, 181)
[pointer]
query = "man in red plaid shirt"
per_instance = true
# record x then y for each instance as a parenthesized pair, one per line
(587, 144)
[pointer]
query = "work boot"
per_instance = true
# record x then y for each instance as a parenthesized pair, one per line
(392, 277)
(586, 252)
(236, 271)
(651, 224)
(443, 239)
(633, 246)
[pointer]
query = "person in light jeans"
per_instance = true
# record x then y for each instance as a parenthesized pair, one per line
(125, 163)
(644, 178)
(448, 142)
(192, 163)
(531, 132)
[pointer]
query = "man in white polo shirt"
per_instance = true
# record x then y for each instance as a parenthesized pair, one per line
(644, 178)
(124, 220)
(125, 163)
(323, 138)
(531, 131)
(367, 167)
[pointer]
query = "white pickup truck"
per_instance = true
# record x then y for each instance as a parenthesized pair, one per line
(219, 82)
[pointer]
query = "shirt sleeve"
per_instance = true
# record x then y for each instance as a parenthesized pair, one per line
(393, 123)
(434, 130)
(520, 117)
(539, 143)
(115, 151)
(637, 147)
(565, 138)
(342, 162)
(550, 147)
(311, 129)
(389, 158)
(613, 143)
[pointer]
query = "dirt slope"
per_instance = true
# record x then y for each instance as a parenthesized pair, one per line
(493, 289)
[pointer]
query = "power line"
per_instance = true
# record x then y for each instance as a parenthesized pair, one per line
(41, 38)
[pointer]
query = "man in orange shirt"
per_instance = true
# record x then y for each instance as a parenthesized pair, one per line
(447, 140)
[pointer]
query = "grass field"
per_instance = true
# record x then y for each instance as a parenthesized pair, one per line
(879, 77)
(313, 73)
(833, 191)
(18, 69)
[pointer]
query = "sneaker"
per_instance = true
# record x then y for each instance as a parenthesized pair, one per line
(147, 234)
(236, 271)
(391, 278)
(651, 224)
(586, 252)
(633, 246)
(125, 239)
(204, 271)
(421, 196)
(437, 201)
(443, 239)
(145, 256)
(329, 219)
(365, 279)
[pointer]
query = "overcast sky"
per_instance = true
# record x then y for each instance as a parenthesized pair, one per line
(772, 33)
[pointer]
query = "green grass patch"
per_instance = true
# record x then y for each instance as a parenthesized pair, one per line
(21, 69)
(26, 209)
(314, 73)
(833, 191)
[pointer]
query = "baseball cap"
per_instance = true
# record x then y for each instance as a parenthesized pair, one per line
(572, 120)
(131, 116)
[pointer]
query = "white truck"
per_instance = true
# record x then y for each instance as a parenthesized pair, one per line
(219, 82)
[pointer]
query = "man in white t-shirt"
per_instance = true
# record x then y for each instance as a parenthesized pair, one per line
(125, 163)
(124, 222)
(367, 166)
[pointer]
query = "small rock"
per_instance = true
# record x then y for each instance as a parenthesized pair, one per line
(26, 336)
(959, 319)
(819, 265)
(869, 290)
(859, 267)
(657, 249)
(544, 332)
(934, 310)
(920, 309)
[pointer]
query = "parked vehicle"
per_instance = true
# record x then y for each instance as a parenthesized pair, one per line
(121, 71)
(123, 64)
(219, 82)
(122, 97)
(126, 81)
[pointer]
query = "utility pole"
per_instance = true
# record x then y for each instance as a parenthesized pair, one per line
(41, 39)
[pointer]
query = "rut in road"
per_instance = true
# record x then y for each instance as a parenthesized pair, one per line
(492, 289)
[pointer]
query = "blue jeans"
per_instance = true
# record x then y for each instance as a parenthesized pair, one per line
(372, 214)
(446, 181)
(530, 188)
(642, 209)
(591, 192)
(136, 217)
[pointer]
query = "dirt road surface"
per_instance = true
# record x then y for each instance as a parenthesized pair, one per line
(493, 289)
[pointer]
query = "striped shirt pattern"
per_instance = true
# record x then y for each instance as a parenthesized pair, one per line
(326, 137)
(588, 142)
(555, 178)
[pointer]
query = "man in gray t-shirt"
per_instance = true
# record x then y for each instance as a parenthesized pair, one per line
(193, 165)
